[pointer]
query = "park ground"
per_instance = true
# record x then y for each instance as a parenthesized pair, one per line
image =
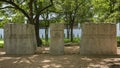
(71, 59)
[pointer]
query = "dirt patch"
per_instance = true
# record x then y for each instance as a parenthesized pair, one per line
(71, 59)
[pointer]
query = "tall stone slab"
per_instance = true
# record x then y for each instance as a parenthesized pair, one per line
(19, 39)
(98, 39)
(57, 39)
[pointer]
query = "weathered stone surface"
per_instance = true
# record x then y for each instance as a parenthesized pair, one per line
(57, 39)
(19, 39)
(98, 39)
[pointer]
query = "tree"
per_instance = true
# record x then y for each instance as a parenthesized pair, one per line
(106, 10)
(45, 17)
(73, 11)
(31, 9)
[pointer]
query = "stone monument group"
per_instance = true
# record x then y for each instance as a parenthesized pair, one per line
(97, 39)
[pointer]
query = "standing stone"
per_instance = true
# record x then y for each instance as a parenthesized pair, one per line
(57, 39)
(98, 39)
(19, 39)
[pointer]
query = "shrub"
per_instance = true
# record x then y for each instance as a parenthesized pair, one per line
(45, 43)
(1, 43)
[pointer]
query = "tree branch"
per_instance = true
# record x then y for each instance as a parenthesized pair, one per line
(35, 5)
(51, 3)
(16, 7)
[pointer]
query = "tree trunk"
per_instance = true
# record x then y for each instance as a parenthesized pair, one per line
(31, 12)
(39, 41)
(71, 28)
(46, 34)
(46, 26)
(68, 32)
